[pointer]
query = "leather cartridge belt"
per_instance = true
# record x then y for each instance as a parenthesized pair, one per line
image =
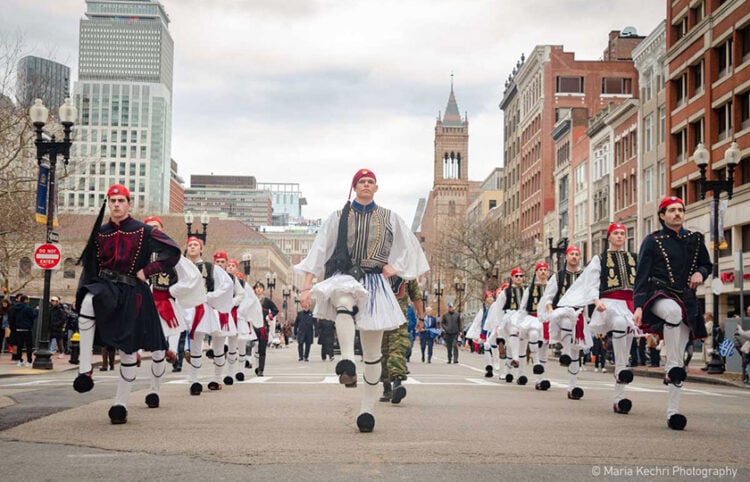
(116, 277)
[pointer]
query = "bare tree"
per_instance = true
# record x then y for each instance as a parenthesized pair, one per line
(18, 175)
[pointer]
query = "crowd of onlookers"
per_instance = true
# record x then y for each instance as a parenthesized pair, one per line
(18, 322)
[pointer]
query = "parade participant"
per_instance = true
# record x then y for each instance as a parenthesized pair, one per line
(672, 263)
(507, 304)
(396, 342)
(235, 350)
(477, 332)
(557, 286)
(203, 320)
(361, 246)
(248, 314)
(265, 332)
(183, 282)
(528, 327)
(607, 282)
(113, 298)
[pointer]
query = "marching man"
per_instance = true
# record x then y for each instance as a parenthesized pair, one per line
(527, 327)
(355, 252)
(499, 322)
(114, 298)
(672, 263)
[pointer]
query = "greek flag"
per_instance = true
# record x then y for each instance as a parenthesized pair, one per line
(726, 348)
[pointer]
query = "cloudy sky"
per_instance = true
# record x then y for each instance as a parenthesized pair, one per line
(309, 91)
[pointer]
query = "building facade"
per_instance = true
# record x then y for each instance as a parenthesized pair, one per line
(234, 197)
(708, 101)
(124, 100)
(44, 79)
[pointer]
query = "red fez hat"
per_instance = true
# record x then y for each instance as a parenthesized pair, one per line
(239, 275)
(572, 248)
(487, 294)
(669, 200)
(220, 255)
(363, 173)
(516, 271)
(615, 226)
(541, 264)
(233, 261)
(193, 238)
(502, 287)
(118, 190)
(154, 219)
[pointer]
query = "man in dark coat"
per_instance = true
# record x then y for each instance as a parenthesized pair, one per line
(326, 338)
(113, 296)
(672, 263)
(24, 316)
(304, 329)
(269, 314)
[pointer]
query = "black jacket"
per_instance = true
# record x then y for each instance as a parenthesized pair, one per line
(304, 324)
(24, 316)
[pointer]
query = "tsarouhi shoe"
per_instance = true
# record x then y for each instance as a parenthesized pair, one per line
(196, 388)
(542, 385)
(152, 400)
(677, 421)
(240, 377)
(365, 422)
(83, 382)
(575, 394)
(347, 372)
(623, 406)
(522, 380)
(488, 371)
(118, 414)
(625, 376)
(228, 380)
(509, 378)
(214, 386)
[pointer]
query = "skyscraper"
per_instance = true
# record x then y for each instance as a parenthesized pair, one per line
(43, 79)
(124, 99)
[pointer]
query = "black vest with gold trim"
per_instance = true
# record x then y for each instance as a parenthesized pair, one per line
(513, 297)
(565, 280)
(535, 294)
(618, 271)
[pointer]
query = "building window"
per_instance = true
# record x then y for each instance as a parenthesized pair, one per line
(680, 142)
(680, 28)
(696, 133)
(69, 268)
(698, 13)
(648, 184)
(724, 58)
(617, 85)
(696, 72)
(631, 239)
(662, 124)
(724, 120)
(648, 133)
(744, 34)
(681, 93)
(744, 100)
(569, 85)
(646, 85)
(661, 170)
(493, 203)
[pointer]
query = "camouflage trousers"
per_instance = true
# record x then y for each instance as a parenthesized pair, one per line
(394, 346)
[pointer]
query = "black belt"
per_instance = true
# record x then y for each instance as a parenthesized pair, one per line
(116, 277)
(373, 270)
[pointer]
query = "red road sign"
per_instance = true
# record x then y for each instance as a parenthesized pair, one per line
(47, 256)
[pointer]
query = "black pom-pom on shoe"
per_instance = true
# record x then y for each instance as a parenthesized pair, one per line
(538, 369)
(522, 380)
(565, 360)
(543, 385)
(365, 422)
(347, 372)
(152, 400)
(83, 383)
(196, 389)
(677, 422)
(118, 414)
(240, 377)
(623, 406)
(625, 376)
(228, 380)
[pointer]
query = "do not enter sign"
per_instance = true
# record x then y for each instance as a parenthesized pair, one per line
(47, 256)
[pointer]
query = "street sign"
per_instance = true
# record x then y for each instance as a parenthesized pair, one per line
(47, 256)
(54, 237)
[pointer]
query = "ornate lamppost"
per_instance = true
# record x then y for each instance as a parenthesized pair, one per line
(286, 292)
(50, 148)
(460, 286)
(204, 221)
(558, 249)
(247, 260)
(701, 156)
(270, 283)
(438, 291)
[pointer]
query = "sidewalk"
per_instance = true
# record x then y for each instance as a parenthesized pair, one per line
(8, 367)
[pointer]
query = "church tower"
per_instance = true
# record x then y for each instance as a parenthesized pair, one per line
(451, 144)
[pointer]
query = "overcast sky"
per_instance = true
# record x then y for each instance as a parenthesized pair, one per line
(309, 91)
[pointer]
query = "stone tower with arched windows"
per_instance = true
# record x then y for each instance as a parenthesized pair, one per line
(451, 191)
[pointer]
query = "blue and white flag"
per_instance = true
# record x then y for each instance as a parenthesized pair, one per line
(726, 348)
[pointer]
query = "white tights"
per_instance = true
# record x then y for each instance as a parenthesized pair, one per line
(676, 336)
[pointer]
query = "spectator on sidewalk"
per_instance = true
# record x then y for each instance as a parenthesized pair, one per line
(58, 318)
(13, 338)
(451, 326)
(25, 316)
(4, 329)
(654, 352)
(326, 338)
(599, 352)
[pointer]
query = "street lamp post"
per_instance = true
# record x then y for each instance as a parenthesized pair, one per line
(247, 260)
(438, 291)
(701, 157)
(51, 148)
(286, 292)
(296, 301)
(271, 283)
(204, 221)
(558, 249)
(460, 286)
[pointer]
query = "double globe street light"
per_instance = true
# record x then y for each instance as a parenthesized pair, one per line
(701, 156)
(204, 221)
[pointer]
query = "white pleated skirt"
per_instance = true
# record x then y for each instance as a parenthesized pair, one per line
(378, 307)
(209, 324)
(179, 314)
(603, 321)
